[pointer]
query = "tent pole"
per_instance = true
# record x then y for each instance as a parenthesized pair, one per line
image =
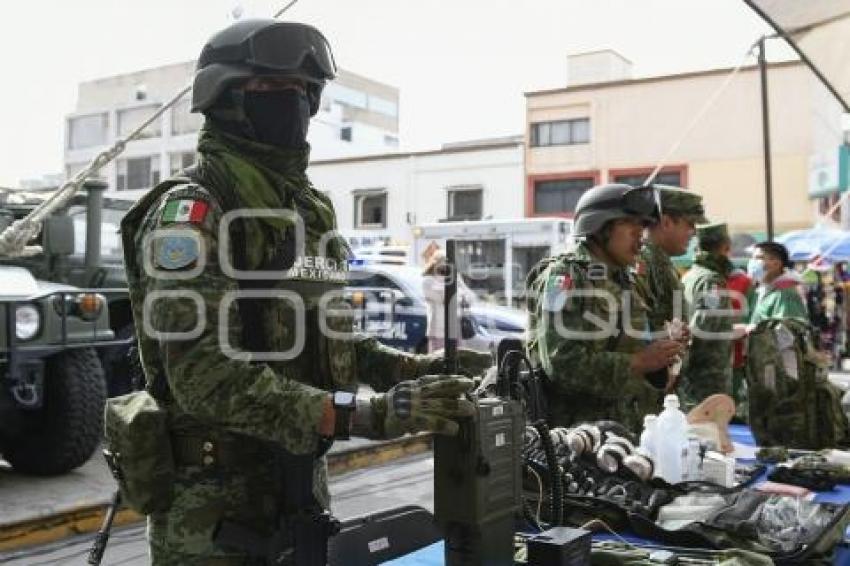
(765, 126)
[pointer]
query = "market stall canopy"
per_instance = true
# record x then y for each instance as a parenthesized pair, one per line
(818, 242)
(819, 31)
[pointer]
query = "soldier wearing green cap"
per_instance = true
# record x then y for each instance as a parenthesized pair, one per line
(657, 280)
(708, 369)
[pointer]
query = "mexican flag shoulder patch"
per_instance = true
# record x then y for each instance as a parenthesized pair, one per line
(185, 210)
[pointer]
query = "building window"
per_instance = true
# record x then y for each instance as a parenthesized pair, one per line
(137, 173)
(87, 131)
(345, 133)
(562, 132)
(183, 121)
(559, 196)
(465, 203)
(131, 118)
(638, 179)
(348, 96)
(825, 204)
(383, 106)
(180, 161)
(370, 210)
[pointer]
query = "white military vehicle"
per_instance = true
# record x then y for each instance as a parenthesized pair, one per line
(494, 256)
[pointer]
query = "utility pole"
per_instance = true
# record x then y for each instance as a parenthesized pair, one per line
(765, 127)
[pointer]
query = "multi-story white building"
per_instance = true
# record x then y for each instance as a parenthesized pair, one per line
(386, 196)
(357, 116)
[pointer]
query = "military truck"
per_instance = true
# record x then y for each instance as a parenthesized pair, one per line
(60, 326)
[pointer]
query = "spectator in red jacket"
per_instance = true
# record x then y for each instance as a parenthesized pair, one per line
(741, 283)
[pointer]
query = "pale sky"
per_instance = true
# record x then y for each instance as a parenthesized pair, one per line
(462, 66)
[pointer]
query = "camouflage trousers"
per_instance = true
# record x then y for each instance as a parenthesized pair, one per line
(183, 535)
(635, 400)
(696, 386)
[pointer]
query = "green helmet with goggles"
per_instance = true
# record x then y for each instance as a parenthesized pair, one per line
(604, 203)
(262, 47)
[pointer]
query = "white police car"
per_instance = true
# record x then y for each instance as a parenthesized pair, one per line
(390, 305)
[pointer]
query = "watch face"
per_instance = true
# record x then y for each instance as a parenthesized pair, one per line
(344, 398)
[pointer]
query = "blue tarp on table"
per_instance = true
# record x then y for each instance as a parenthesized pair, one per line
(432, 555)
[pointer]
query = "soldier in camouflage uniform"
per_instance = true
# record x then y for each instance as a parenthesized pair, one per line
(242, 328)
(656, 278)
(588, 331)
(709, 365)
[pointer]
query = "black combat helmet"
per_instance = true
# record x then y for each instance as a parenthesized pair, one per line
(604, 203)
(262, 47)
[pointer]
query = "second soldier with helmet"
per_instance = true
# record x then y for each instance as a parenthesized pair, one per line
(589, 331)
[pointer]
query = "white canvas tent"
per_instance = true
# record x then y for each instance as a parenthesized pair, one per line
(819, 31)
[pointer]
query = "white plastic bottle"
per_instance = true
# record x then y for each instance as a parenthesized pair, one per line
(691, 457)
(670, 437)
(647, 437)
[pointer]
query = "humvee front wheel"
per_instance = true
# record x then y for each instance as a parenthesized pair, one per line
(68, 428)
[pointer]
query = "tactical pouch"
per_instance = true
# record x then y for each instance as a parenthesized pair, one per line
(139, 444)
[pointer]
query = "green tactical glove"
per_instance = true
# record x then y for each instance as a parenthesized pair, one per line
(469, 362)
(431, 403)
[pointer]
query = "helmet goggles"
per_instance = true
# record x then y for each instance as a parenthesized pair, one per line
(283, 47)
(641, 202)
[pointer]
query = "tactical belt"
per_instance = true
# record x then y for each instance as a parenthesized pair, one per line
(208, 451)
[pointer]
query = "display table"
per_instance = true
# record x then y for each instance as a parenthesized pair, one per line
(432, 555)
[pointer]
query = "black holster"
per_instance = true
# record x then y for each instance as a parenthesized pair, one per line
(303, 528)
(300, 539)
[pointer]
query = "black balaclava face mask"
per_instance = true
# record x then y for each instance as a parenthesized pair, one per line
(278, 117)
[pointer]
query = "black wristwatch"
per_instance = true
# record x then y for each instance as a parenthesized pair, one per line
(344, 404)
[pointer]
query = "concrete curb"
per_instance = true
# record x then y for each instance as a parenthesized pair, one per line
(87, 518)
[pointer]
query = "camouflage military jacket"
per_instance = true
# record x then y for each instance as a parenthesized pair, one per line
(186, 276)
(583, 338)
(657, 282)
(708, 369)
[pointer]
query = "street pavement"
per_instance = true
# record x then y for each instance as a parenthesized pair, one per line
(408, 481)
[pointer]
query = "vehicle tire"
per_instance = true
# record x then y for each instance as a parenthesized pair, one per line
(69, 427)
(118, 363)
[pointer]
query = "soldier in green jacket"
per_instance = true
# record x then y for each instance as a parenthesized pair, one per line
(708, 369)
(236, 278)
(777, 294)
(656, 278)
(588, 331)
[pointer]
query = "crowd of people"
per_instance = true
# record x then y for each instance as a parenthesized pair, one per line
(626, 239)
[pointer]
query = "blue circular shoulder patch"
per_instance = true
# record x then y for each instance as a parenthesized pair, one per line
(176, 252)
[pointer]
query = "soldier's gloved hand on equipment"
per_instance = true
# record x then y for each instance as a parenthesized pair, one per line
(431, 403)
(469, 362)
